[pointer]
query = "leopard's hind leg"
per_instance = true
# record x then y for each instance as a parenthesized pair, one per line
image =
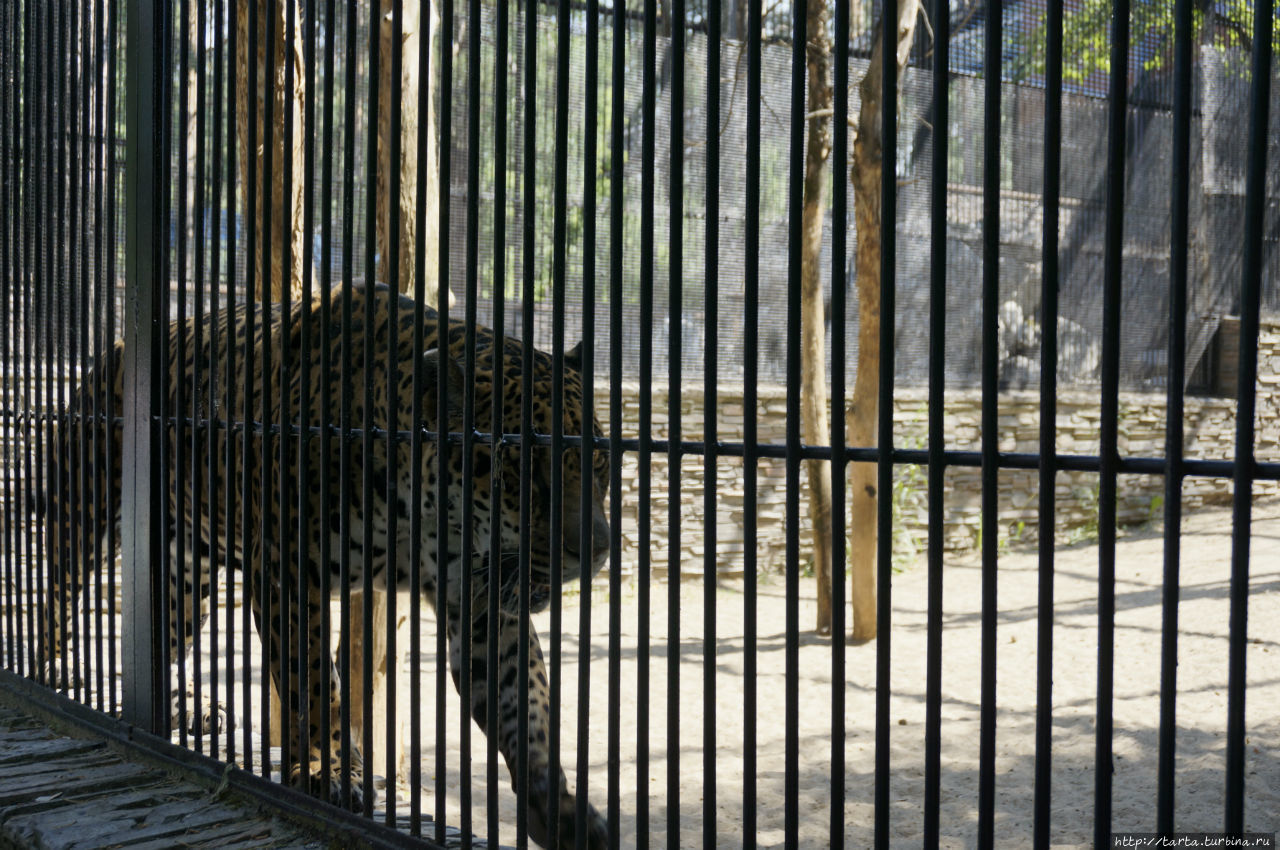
(312, 725)
(193, 567)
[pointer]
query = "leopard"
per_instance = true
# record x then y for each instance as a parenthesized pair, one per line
(367, 337)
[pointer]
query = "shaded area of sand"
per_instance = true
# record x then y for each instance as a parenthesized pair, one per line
(1201, 706)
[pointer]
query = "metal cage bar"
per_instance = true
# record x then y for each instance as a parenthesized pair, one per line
(1110, 413)
(1246, 393)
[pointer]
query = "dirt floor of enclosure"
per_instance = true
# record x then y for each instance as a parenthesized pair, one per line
(1201, 707)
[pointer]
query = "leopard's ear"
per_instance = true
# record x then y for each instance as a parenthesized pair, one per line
(432, 363)
(573, 357)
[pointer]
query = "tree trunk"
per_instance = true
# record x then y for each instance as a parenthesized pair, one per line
(286, 213)
(815, 421)
(861, 413)
(406, 231)
(407, 196)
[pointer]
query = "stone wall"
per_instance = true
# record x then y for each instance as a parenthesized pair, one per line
(1209, 429)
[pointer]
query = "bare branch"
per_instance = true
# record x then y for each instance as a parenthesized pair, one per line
(924, 15)
(827, 113)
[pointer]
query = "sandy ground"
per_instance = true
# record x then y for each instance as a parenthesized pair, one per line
(1201, 705)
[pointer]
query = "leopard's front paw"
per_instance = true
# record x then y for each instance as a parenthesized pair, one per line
(210, 719)
(60, 676)
(321, 786)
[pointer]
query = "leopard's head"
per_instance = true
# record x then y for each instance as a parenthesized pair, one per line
(582, 543)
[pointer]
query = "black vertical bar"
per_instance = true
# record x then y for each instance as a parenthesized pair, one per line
(32, 430)
(202, 413)
(46, 284)
(220, 422)
(78, 276)
(64, 275)
(710, 413)
(183, 556)
(88, 319)
(8, 164)
(884, 467)
(307, 566)
(445, 115)
(586, 495)
(113, 187)
(103, 340)
(992, 71)
(252, 248)
(37, 148)
(289, 714)
(1109, 425)
(392, 569)
(1048, 423)
(327, 368)
(42, 263)
(498, 421)
(415, 446)
(1179, 215)
(35, 624)
(22, 227)
(1246, 394)
(937, 431)
(8, 167)
(750, 440)
(169, 506)
(529, 247)
(15, 340)
(675, 296)
(617, 182)
(22, 224)
(78, 202)
(271, 499)
(472, 285)
(368, 423)
(72, 319)
(235, 524)
(795, 211)
(345, 402)
(648, 100)
(143, 703)
(416, 439)
(559, 249)
(59, 296)
(839, 282)
(37, 549)
(201, 558)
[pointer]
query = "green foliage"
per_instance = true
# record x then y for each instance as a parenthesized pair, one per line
(910, 485)
(1086, 37)
(908, 500)
(543, 223)
(1155, 510)
(1088, 531)
(1017, 530)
